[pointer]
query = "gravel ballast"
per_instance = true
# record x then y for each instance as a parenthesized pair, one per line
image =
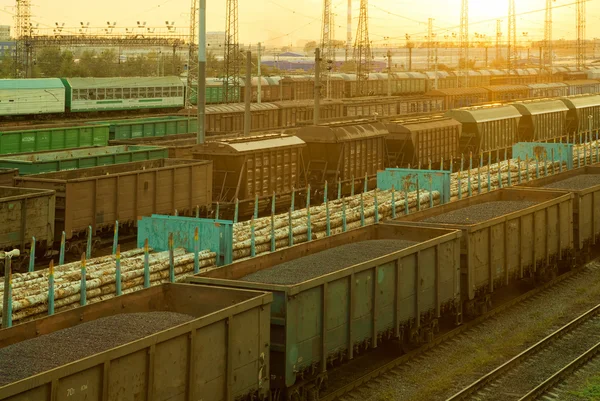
(481, 212)
(325, 262)
(576, 183)
(37, 355)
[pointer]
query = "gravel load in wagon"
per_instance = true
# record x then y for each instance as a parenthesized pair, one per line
(480, 212)
(576, 183)
(325, 262)
(30, 357)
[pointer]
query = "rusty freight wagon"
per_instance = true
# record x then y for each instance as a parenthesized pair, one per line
(420, 104)
(26, 213)
(230, 117)
(343, 151)
(489, 129)
(508, 235)
(99, 196)
(292, 113)
(460, 97)
(370, 107)
(254, 167)
(186, 342)
(7, 175)
(346, 294)
(422, 140)
(501, 93)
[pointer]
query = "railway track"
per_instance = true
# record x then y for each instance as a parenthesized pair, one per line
(529, 374)
(337, 391)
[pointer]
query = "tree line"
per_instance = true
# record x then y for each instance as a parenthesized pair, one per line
(52, 62)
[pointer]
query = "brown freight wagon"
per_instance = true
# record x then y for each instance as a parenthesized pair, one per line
(420, 104)
(370, 106)
(460, 97)
(258, 166)
(343, 151)
(422, 140)
(220, 353)
(99, 196)
(230, 117)
(502, 93)
(7, 175)
(292, 113)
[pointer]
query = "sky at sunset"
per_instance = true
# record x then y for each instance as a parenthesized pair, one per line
(277, 22)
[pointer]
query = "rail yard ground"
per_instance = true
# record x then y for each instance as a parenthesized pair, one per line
(446, 369)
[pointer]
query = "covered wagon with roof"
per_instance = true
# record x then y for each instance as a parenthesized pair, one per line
(343, 151)
(31, 96)
(422, 140)
(253, 168)
(489, 129)
(543, 120)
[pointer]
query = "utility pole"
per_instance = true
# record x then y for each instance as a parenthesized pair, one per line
(327, 48)
(248, 94)
(259, 85)
(201, 91)
(362, 50)
(389, 73)
(464, 41)
(232, 55)
(429, 42)
(498, 36)
(349, 31)
(581, 34)
(548, 35)
(317, 111)
(22, 35)
(512, 54)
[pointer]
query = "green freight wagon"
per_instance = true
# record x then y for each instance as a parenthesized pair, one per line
(328, 320)
(50, 162)
(151, 127)
(52, 137)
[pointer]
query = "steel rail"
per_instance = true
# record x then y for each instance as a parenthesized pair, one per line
(513, 362)
(341, 391)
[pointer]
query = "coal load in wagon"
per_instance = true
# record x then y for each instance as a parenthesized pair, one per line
(37, 355)
(325, 262)
(480, 212)
(576, 183)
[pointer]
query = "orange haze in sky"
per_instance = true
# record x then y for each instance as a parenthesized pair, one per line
(283, 21)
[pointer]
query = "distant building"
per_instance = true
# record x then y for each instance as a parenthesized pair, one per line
(215, 41)
(7, 49)
(4, 33)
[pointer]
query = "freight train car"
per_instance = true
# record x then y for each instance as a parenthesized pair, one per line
(7, 175)
(460, 97)
(543, 120)
(138, 93)
(502, 93)
(31, 96)
(584, 184)
(581, 108)
(545, 90)
(342, 151)
(246, 169)
(337, 297)
(173, 341)
(26, 213)
(418, 141)
(487, 129)
(508, 235)
(99, 196)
